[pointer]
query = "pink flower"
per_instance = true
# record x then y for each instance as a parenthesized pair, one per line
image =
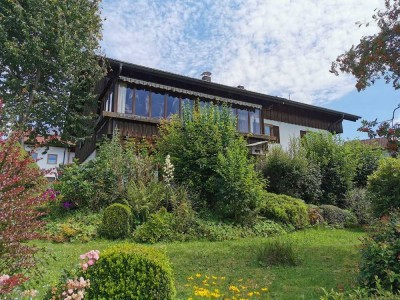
(90, 262)
(85, 266)
(4, 278)
(70, 291)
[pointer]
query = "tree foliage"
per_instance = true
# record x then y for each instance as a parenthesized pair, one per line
(211, 159)
(376, 56)
(22, 189)
(48, 64)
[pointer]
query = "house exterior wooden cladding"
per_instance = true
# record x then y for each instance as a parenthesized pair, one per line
(134, 99)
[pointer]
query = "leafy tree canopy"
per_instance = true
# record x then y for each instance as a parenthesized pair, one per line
(49, 64)
(376, 56)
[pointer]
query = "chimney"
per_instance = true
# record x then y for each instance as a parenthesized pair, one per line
(240, 87)
(206, 76)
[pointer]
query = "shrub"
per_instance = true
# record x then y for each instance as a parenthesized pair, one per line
(285, 209)
(205, 150)
(291, 173)
(159, 227)
(384, 186)
(239, 190)
(358, 201)
(277, 252)
(380, 255)
(336, 216)
(315, 215)
(117, 221)
(103, 181)
(327, 151)
(131, 272)
(267, 228)
(77, 225)
(365, 159)
(22, 190)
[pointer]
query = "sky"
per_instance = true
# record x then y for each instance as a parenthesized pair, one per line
(277, 47)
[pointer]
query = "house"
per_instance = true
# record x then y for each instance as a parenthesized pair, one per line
(134, 99)
(390, 147)
(50, 157)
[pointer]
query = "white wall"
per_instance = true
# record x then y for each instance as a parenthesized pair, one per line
(287, 131)
(64, 156)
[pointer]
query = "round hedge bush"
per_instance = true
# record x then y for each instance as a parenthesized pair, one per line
(117, 221)
(336, 216)
(285, 209)
(128, 271)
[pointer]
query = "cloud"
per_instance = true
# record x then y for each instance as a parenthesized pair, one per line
(282, 48)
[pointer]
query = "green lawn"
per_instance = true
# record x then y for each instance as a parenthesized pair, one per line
(329, 259)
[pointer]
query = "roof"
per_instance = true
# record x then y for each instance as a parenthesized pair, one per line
(382, 142)
(229, 89)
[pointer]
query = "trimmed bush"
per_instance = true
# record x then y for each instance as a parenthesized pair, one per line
(384, 186)
(117, 221)
(336, 216)
(380, 255)
(131, 272)
(285, 209)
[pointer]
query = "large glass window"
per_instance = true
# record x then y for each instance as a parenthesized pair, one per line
(128, 101)
(172, 106)
(187, 104)
(255, 122)
(142, 103)
(204, 104)
(243, 120)
(157, 105)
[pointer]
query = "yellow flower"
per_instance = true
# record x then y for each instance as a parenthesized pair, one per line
(257, 293)
(240, 280)
(190, 278)
(264, 289)
(223, 277)
(234, 289)
(250, 294)
(214, 277)
(198, 275)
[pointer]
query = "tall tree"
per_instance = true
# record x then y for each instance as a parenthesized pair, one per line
(49, 64)
(375, 57)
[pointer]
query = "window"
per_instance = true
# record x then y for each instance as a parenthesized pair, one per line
(52, 159)
(157, 105)
(255, 122)
(187, 104)
(142, 103)
(34, 156)
(109, 100)
(268, 129)
(172, 106)
(243, 120)
(204, 104)
(128, 99)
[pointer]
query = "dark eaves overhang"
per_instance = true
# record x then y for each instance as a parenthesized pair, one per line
(228, 89)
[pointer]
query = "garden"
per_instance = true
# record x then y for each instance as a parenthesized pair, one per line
(192, 215)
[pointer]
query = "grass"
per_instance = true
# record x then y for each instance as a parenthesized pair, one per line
(328, 258)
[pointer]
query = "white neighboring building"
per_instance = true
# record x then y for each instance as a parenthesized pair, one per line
(52, 157)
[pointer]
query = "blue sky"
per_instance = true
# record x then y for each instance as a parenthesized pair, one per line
(279, 48)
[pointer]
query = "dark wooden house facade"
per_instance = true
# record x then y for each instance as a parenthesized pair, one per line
(134, 99)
